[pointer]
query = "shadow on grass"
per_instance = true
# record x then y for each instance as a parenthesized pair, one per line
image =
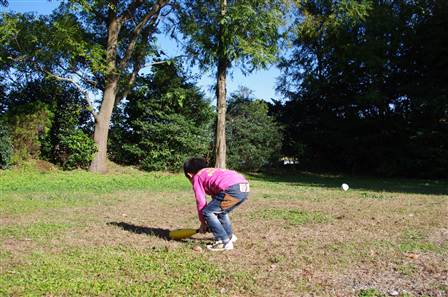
(396, 185)
(159, 232)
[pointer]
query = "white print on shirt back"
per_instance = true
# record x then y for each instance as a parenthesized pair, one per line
(244, 188)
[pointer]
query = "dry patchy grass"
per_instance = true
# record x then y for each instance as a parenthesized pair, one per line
(296, 238)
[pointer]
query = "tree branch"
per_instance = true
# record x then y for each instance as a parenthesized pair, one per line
(81, 89)
(151, 16)
(155, 63)
(88, 7)
(138, 61)
(90, 82)
(133, 78)
(130, 10)
(13, 80)
(128, 88)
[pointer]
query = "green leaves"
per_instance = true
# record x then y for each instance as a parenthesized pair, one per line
(366, 80)
(253, 138)
(8, 28)
(5, 145)
(317, 18)
(248, 32)
(165, 121)
(69, 40)
(29, 124)
(19, 41)
(76, 150)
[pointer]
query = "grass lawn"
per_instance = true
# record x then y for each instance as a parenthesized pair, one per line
(81, 234)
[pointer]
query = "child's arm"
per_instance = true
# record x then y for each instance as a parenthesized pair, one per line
(199, 194)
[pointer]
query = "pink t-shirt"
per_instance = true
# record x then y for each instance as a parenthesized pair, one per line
(211, 181)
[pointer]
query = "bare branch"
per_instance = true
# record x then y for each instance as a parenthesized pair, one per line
(16, 82)
(139, 56)
(130, 10)
(131, 81)
(150, 17)
(133, 77)
(155, 63)
(90, 82)
(81, 89)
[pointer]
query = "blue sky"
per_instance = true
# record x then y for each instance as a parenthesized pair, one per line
(261, 82)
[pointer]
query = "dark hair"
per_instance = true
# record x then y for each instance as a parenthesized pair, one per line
(193, 165)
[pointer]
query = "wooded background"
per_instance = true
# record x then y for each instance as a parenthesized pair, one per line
(363, 85)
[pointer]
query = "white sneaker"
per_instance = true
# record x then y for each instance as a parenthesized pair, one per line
(232, 239)
(219, 246)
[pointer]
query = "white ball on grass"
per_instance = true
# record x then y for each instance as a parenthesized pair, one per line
(344, 187)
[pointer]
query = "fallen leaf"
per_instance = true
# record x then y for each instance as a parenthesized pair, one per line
(412, 256)
(197, 248)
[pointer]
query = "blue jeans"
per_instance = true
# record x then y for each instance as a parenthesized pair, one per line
(216, 213)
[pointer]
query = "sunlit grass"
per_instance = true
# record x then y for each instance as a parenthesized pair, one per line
(116, 272)
(57, 236)
(29, 181)
(292, 217)
(38, 230)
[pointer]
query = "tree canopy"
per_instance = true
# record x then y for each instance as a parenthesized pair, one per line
(356, 90)
(363, 84)
(226, 33)
(96, 45)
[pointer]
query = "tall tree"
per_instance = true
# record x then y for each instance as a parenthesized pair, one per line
(225, 33)
(97, 46)
(305, 71)
(369, 96)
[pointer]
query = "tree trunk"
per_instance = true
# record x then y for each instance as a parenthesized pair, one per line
(114, 70)
(102, 120)
(220, 136)
(221, 107)
(99, 163)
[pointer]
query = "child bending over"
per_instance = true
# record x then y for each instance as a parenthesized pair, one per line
(228, 189)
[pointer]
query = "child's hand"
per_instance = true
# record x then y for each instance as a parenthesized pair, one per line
(203, 228)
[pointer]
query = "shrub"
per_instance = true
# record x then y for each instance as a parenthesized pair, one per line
(76, 150)
(41, 114)
(253, 138)
(5, 145)
(30, 123)
(166, 143)
(165, 121)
